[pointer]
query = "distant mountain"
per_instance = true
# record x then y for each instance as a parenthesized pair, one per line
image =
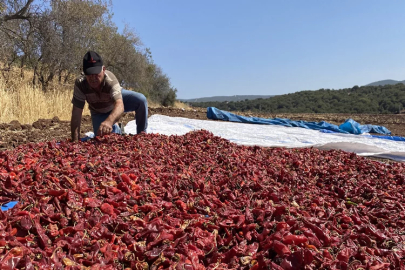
(226, 98)
(251, 97)
(385, 82)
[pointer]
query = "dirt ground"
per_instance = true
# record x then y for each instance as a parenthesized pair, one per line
(13, 134)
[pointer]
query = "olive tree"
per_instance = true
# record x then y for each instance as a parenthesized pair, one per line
(63, 33)
(51, 39)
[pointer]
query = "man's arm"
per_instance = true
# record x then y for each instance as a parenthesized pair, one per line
(75, 123)
(106, 126)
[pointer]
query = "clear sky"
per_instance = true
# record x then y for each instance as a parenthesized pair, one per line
(269, 47)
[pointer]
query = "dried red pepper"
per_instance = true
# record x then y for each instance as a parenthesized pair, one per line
(197, 202)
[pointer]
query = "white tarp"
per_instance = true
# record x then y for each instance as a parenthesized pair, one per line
(278, 136)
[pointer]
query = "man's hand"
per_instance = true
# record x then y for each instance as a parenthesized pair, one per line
(105, 128)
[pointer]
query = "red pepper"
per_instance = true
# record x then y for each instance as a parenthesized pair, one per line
(326, 254)
(281, 226)
(56, 193)
(281, 249)
(12, 257)
(181, 205)
(198, 201)
(319, 233)
(294, 239)
(126, 178)
(107, 209)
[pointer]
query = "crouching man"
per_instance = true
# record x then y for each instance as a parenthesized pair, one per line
(107, 100)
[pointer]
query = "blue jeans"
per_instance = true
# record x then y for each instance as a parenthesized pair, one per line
(133, 101)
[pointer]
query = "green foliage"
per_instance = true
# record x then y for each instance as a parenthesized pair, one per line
(170, 98)
(385, 99)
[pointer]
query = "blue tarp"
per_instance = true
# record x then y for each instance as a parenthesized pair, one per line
(353, 127)
(8, 205)
(350, 126)
(392, 138)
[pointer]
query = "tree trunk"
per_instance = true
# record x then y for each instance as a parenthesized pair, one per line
(22, 67)
(45, 81)
(67, 77)
(34, 78)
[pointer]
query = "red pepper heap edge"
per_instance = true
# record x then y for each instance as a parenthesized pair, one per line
(197, 202)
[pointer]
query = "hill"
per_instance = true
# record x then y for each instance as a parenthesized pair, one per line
(226, 98)
(385, 82)
(252, 97)
(365, 99)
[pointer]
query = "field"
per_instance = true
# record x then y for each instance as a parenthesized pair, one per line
(14, 133)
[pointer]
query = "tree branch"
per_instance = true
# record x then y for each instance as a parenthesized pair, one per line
(19, 15)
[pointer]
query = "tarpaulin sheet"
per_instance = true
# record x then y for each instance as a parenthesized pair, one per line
(276, 136)
(350, 126)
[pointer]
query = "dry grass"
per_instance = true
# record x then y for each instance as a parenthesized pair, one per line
(152, 104)
(26, 103)
(177, 104)
(181, 105)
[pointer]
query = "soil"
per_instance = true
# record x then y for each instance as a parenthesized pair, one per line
(13, 134)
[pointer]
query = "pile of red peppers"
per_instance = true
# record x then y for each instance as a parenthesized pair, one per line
(197, 202)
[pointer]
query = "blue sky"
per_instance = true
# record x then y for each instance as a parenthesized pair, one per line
(269, 47)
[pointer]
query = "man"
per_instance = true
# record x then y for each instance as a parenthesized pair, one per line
(107, 100)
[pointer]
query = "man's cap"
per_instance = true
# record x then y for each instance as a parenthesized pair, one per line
(92, 63)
